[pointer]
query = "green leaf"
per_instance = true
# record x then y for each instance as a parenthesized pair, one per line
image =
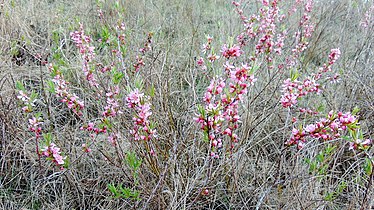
(321, 108)
(355, 110)
(38, 115)
(116, 5)
(126, 192)
(105, 34)
(206, 137)
(117, 76)
(346, 138)
(152, 125)
(294, 74)
(152, 91)
(368, 166)
(341, 187)
(329, 196)
(56, 37)
(136, 195)
(231, 41)
(20, 86)
(47, 138)
(33, 96)
(138, 83)
(320, 157)
(323, 169)
(123, 49)
(313, 166)
(106, 123)
(329, 149)
(201, 110)
(51, 87)
(66, 162)
(133, 161)
(254, 69)
(113, 190)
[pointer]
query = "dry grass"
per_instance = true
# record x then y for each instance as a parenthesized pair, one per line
(261, 174)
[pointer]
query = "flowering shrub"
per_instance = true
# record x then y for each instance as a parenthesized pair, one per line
(157, 134)
(52, 152)
(143, 129)
(220, 115)
(83, 41)
(59, 86)
(327, 129)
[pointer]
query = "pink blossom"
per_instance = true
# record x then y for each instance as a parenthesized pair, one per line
(142, 126)
(200, 62)
(310, 128)
(360, 144)
(213, 57)
(346, 118)
(334, 55)
(52, 151)
(234, 51)
(252, 79)
(134, 98)
(112, 138)
(23, 96)
(62, 91)
(34, 122)
(86, 148)
(82, 42)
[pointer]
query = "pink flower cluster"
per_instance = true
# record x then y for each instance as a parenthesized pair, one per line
(238, 84)
(85, 148)
(26, 100)
(211, 117)
(231, 52)
(142, 129)
(34, 126)
(360, 144)
(201, 64)
(83, 41)
(239, 11)
(34, 122)
(207, 49)
(139, 63)
(112, 107)
(147, 45)
(222, 106)
(53, 152)
(294, 90)
(263, 27)
(308, 111)
(325, 129)
(302, 36)
(208, 46)
(103, 68)
(93, 129)
(71, 100)
(333, 56)
(269, 15)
